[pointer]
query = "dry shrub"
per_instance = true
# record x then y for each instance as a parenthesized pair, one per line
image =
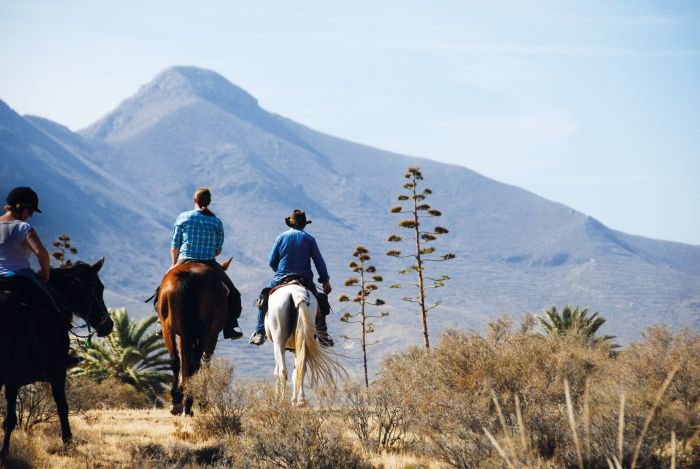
(178, 456)
(35, 405)
(377, 416)
(454, 391)
(278, 434)
(85, 394)
(24, 453)
(221, 404)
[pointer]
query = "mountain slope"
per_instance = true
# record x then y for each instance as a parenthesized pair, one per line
(516, 252)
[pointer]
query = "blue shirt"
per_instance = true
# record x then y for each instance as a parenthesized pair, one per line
(292, 254)
(198, 236)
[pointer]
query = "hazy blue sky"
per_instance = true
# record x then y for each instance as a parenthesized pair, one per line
(594, 104)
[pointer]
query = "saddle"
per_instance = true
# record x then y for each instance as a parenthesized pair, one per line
(321, 298)
(23, 293)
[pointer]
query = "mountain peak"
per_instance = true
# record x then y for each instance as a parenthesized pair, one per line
(167, 91)
(193, 81)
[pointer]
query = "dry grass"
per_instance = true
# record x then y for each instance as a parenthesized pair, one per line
(102, 438)
(506, 399)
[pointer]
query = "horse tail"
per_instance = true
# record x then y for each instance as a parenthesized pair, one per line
(188, 286)
(320, 361)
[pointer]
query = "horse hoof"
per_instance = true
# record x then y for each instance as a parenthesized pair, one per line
(300, 404)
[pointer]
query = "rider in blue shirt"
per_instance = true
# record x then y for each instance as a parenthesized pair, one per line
(292, 254)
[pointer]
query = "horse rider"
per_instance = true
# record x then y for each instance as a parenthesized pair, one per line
(18, 240)
(291, 255)
(198, 236)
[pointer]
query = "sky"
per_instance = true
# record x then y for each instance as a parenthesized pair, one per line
(594, 104)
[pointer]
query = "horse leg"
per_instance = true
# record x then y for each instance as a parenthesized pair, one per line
(58, 389)
(185, 372)
(10, 417)
(280, 369)
(294, 385)
(175, 393)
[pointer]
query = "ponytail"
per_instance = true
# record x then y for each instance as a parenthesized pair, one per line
(203, 198)
(15, 209)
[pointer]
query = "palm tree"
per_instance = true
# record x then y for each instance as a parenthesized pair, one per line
(131, 354)
(576, 321)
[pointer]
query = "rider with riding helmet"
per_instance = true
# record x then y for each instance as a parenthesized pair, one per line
(198, 236)
(291, 255)
(18, 240)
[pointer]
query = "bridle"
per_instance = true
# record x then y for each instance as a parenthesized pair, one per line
(73, 279)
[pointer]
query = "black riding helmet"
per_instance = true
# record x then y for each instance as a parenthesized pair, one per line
(23, 197)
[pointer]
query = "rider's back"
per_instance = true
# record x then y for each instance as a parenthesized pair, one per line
(14, 251)
(292, 254)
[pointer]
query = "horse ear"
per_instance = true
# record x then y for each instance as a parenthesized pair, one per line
(98, 265)
(226, 263)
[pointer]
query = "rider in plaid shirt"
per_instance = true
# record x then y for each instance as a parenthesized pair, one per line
(198, 235)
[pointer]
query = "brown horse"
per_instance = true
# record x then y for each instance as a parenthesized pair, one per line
(192, 308)
(27, 329)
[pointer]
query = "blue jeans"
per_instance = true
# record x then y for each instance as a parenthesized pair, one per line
(260, 327)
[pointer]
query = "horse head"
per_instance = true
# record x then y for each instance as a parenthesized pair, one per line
(81, 289)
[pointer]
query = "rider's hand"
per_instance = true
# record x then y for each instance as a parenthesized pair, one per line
(327, 287)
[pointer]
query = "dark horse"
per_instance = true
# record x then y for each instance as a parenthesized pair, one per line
(192, 308)
(26, 350)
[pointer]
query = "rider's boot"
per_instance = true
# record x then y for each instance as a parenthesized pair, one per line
(259, 337)
(232, 331)
(322, 331)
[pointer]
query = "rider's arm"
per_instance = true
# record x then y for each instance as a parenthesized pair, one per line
(174, 252)
(41, 253)
(219, 238)
(321, 268)
(177, 241)
(274, 258)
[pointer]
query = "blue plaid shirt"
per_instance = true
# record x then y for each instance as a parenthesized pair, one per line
(198, 236)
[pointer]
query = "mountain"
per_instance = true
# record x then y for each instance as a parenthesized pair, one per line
(136, 168)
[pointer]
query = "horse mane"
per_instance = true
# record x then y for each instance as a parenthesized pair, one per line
(76, 268)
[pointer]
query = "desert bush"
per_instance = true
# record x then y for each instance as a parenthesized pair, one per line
(85, 394)
(25, 453)
(221, 404)
(35, 405)
(455, 392)
(377, 416)
(278, 434)
(178, 456)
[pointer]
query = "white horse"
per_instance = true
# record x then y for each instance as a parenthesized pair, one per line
(290, 324)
